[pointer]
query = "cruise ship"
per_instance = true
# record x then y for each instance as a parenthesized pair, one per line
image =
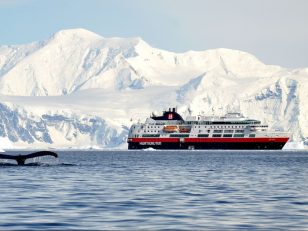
(232, 131)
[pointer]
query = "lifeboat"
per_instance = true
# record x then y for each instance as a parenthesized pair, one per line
(185, 129)
(171, 128)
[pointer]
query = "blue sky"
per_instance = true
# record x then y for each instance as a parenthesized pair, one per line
(273, 30)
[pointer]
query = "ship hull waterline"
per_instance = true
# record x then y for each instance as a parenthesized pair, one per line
(232, 144)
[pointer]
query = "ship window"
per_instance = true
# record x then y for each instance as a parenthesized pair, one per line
(238, 135)
(239, 131)
(252, 135)
(227, 135)
(203, 135)
(208, 131)
(150, 135)
(216, 135)
(228, 131)
(217, 131)
(179, 135)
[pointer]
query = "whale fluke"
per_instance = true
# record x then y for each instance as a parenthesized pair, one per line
(22, 158)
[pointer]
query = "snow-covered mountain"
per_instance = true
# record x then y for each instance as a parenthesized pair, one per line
(79, 89)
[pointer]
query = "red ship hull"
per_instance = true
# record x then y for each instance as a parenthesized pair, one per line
(208, 143)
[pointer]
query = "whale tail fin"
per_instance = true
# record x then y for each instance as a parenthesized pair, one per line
(22, 158)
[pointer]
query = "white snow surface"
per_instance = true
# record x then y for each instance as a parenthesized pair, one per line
(5, 143)
(78, 89)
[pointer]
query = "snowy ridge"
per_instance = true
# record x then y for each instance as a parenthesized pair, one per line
(79, 89)
(61, 130)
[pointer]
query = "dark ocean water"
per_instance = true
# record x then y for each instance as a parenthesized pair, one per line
(129, 190)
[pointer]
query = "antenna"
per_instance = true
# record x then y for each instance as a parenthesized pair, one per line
(228, 108)
(189, 111)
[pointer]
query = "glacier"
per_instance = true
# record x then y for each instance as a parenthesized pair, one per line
(78, 89)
